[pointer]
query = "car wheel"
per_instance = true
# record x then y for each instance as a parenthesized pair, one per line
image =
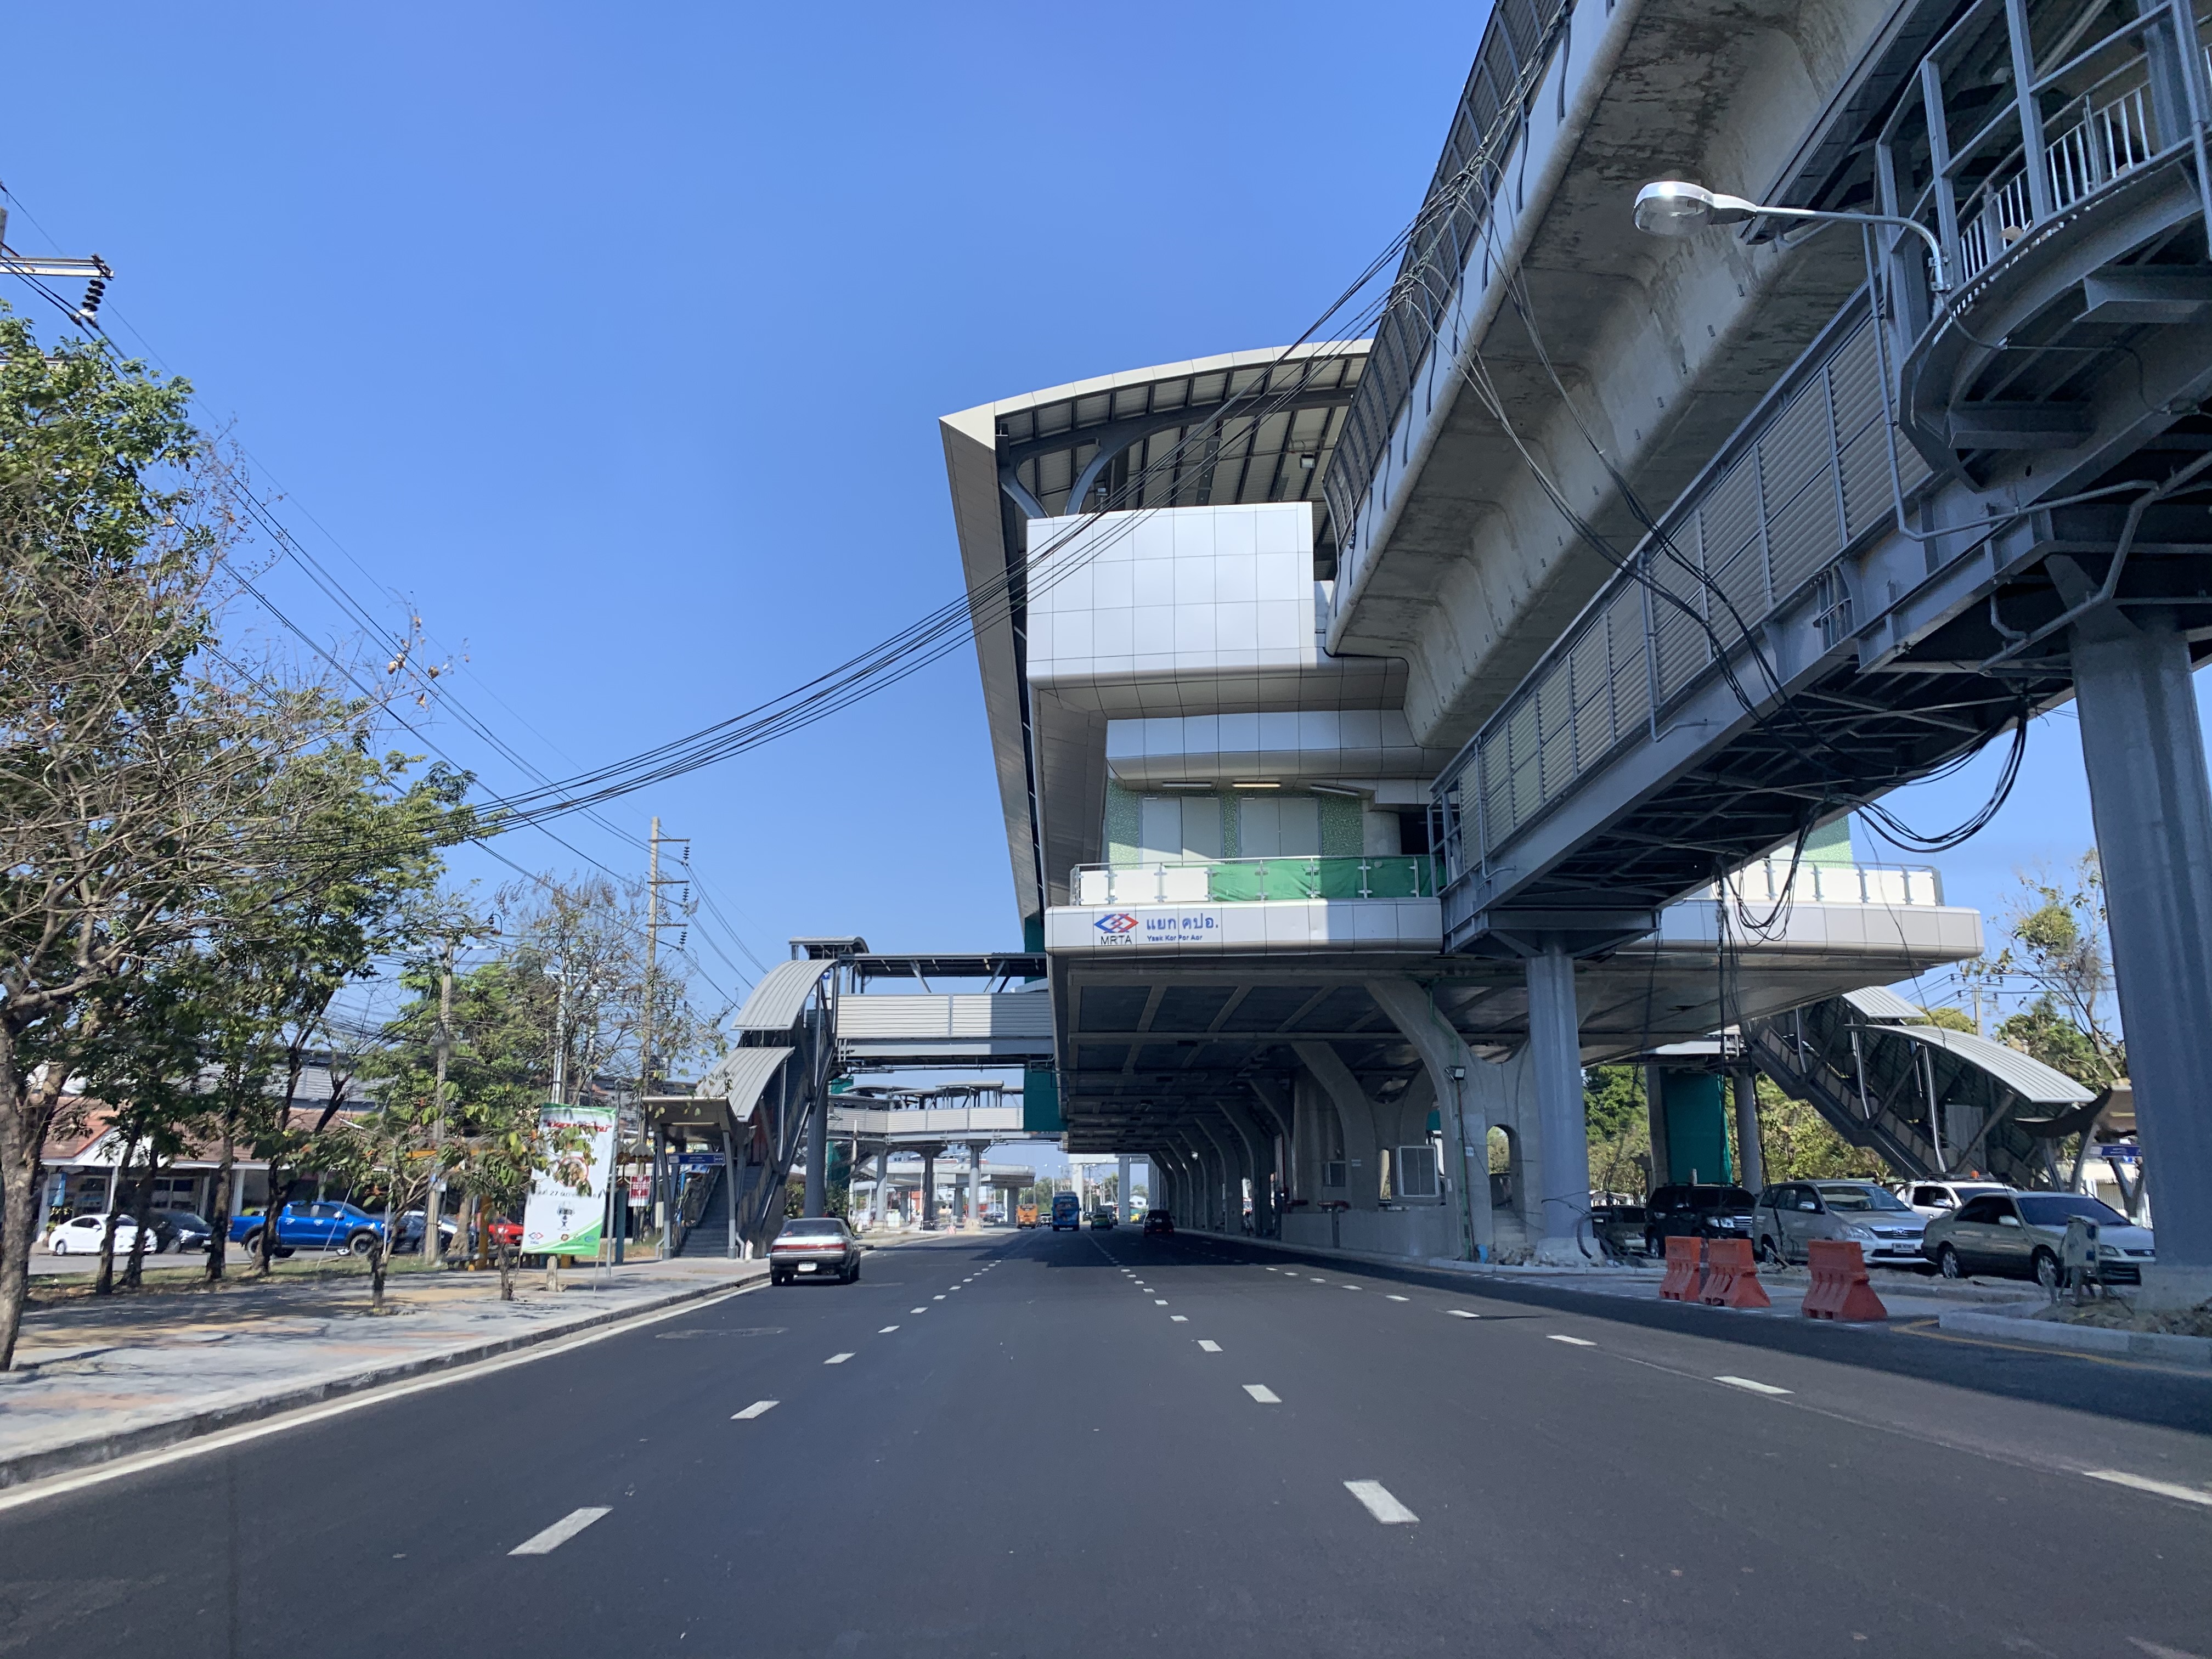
(1948, 1263)
(56, 1245)
(251, 1243)
(853, 1277)
(2047, 1274)
(361, 1243)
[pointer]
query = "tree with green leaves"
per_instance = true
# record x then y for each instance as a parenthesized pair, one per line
(2057, 944)
(144, 808)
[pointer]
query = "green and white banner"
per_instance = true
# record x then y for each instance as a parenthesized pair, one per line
(559, 1219)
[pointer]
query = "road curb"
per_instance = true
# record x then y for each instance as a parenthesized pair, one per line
(25, 1467)
(2080, 1338)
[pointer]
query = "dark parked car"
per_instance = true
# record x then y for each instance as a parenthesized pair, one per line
(1158, 1221)
(814, 1247)
(1620, 1228)
(1700, 1211)
(179, 1231)
(410, 1233)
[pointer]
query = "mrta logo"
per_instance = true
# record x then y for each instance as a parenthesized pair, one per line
(1122, 922)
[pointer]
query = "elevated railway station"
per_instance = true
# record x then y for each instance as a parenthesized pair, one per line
(1375, 718)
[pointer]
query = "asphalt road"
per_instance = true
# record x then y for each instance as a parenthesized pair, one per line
(1098, 1443)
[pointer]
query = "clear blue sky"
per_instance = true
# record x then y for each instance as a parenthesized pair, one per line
(613, 338)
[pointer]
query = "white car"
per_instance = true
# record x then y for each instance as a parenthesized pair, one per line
(1935, 1198)
(81, 1235)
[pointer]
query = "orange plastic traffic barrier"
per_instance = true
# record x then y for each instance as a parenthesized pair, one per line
(1685, 1270)
(1840, 1288)
(1732, 1276)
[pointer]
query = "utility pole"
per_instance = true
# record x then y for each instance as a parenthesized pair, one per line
(433, 1246)
(654, 883)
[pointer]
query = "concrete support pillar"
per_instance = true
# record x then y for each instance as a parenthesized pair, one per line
(1214, 1167)
(817, 1157)
(1655, 1116)
(928, 1187)
(1458, 1078)
(1363, 1168)
(1220, 1171)
(1555, 1054)
(618, 1213)
(1750, 1154)
(1121, 1188)
(974, 1186)
(1275, 1110)
(2152, 804)
(1257, 1141)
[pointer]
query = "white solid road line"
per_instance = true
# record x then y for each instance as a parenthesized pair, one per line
(1572, 1341)
(1380, 1504)
(836, 1360)
(140, 1463)
(1462, 1313)
(559, 1533)
(758, 1408)
(1396, 1298)
(1747, 1382)
(1208, 1346)
(2143, 1483)
(1263, 1394)
(886, 1330)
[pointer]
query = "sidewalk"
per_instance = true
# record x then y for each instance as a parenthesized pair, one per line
(101, 1379)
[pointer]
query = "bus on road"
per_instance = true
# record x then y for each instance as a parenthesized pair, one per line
(1066, 1211)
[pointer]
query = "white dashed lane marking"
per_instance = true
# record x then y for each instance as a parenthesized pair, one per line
(1208, 1346)
(1159, 1302)
(1263, 1394)
(1180, 1319)
(1574, 1341)
(836, 1360)
(1748, 1383)
(1395, 1298)
(886, 1330)
(559, 1533)
(758, 1408)
(917, 1311)
(1380, 1504)
(1462, 1313)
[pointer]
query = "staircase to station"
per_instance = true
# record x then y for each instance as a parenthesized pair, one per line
(703, 1218)
(1931, 1102)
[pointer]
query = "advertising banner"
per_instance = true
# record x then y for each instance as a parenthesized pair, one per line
(558, 1220)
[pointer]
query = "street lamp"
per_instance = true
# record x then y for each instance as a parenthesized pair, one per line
(1674, 207)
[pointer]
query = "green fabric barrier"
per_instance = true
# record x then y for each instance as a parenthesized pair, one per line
(1233, 883)
(1341, 878)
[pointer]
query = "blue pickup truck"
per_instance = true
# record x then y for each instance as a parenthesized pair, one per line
(319, 1226)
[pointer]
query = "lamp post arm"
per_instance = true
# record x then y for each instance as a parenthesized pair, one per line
(1935, 247)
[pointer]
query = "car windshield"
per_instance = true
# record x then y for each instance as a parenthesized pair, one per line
(1719, 1198)
(2054, 1209)
(1850, 1196)
(826, 1229)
